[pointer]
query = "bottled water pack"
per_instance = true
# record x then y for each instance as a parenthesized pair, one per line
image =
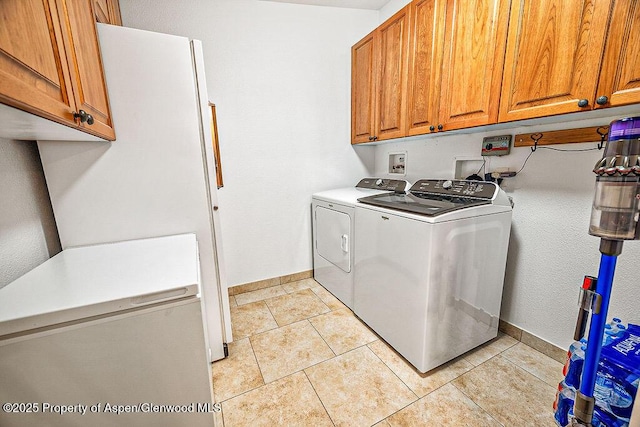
(617, 378)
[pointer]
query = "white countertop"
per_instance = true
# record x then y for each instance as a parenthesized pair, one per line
(96, 280)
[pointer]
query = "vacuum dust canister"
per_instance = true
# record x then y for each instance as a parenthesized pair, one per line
(616, 204)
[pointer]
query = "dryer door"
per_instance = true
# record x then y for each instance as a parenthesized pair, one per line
(333, 237)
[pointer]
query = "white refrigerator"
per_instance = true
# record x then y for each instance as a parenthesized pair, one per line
(157, 178)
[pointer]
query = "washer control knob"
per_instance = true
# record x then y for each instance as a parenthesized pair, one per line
(378, 182)
(447, 184)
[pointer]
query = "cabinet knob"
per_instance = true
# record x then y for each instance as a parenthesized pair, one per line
(583, 103)
(371, 138)
(440, 127)
(432, 128)
(602, 100)
(84, 117)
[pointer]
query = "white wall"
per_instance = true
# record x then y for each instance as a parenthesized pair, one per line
(28, 234)
(550, 249)
(279, 75)
(389, 9)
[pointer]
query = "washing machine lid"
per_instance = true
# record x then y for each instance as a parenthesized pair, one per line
(436, 197)
(365, 187)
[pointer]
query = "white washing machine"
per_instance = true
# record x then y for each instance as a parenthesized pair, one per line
(429, 267)
(333, 233)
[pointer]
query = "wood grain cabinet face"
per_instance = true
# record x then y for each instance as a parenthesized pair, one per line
(456, 59)
(362, 90)
(50, 62)
(107, 12)
(425, 64)
(553, 57)
(479, 62)
(378, 82)
(620, 72)
(88, 82)
(473, 60)
(33, 72)
(390, 103)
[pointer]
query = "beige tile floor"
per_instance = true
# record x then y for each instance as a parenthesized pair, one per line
(301, 358)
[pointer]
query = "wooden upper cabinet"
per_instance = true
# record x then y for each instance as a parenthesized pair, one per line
(620, 72)
(554, 51)
(457, 54)
(33, 72)
(107, 12)
(50, 63)
(362, 90)
(472, 64)
(425, 65)
(390, 102)
(480, 62)
(88, 82)
(378, 81)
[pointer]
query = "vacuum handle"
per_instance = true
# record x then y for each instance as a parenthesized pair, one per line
(581, 324)
(586, 294)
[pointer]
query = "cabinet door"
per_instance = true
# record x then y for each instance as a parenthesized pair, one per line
(620, 72)
(83, 50)
(425, 64)
(390, 103)
(553, 57)
(107, 12)
(362, 89)
(115, 18)
(33, 73)
(475, 40)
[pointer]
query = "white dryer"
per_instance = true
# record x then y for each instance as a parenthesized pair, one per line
(333, 214)
(429, 267)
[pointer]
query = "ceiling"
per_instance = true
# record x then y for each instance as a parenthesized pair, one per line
(352, 4)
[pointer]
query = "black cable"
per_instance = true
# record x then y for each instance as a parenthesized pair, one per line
(525, 162)
(560, 149)
(484, 161)
(554, 149)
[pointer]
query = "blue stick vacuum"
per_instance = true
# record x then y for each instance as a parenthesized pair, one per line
(614, 218)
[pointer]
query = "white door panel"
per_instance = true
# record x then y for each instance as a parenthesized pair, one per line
(333, 236)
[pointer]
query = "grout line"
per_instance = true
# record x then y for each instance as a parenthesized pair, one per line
(254, 388)
(316, 392)
(302, 369)
(262, 299)
(279, 279)
(394, 373)
(325, 341)
(523, 367)
(474, 402)
(525, 371)
(257, 363)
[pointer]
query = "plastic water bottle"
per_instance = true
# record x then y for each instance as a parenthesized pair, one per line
(613, 331)
(576, 363)
(575, 346)
(618, 328)
(618, 373)
(563, 405)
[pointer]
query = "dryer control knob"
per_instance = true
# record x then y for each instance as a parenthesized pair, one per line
(447, 184)
(379, 182)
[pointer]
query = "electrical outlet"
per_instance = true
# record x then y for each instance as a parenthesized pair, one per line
(496, 145)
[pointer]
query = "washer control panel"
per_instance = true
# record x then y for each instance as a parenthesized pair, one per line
(397, 185)
(477, 189)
